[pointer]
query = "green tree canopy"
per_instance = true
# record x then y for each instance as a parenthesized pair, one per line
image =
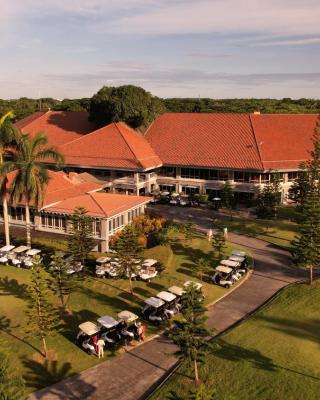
(131, 104)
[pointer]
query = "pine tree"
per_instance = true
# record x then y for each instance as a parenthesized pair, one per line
(202, 266)
(227, 197)
(81, 241)
(190, 335)
(42, 318)
(61, 282)
(269, 198)
(12, 385)
(218, 243)
(128, 250)
(306, 246)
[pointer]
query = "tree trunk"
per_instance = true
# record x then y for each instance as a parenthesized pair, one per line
(311, 275)
(130, 283)
(196, 374)
(28, 227)
(6, 219)
(45, 349)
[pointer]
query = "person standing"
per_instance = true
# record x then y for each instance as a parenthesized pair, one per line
(225, 232)
(100, 346)
(141, 332)
(210, 234)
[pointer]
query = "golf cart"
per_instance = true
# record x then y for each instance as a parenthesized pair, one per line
(148, 270)
(238, 253)
(128, 325)
(27, 262)
(175, 199)
(74, 266)
(101, 263)
(18, 255)
(235, 267)
(154, 310)
(184, 201)
(223, 276)
(243, 263)
(177, 291)
(164, 197)
(87, 336)
(5, 252)
(110, 330)
(171, 303)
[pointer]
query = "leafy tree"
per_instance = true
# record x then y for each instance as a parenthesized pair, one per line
(306, 246)
(269, 198)
(202, 266)
(164, 236)
(227, 197)
(42, 318)
(12, 386)
(128, 103)
(128, 249)
(188, 230)
(31, 174)
(191, 333)
(61, 282)
(7, 138)
(81, 241)
(218, 243)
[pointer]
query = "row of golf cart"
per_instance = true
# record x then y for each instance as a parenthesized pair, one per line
(20, 256)
(166, 304)
(114, 332)
(73, 266)
(174, 199)
(231, 270)
(110, 267)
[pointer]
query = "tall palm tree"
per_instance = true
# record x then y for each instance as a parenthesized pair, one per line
(31, 174)
(6, 139)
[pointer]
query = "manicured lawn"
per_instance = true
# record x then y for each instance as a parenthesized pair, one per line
(272, 356)
(93, 297)
(279, 232)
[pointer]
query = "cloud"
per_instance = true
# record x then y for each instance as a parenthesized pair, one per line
(291, 42)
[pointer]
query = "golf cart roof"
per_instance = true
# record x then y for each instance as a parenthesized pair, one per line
(237, 258)
(175, 194)
(229, 263)
(89, 328)
(198, 285)
(107, 321)
(166, 296)
(222, 268)
(178, 291)
(33, 252)
(238, 253)
(154, 302)
(165, 193)
(149, 262)
(127, 316)
(8, 247)
(20, 249)
(102, 260)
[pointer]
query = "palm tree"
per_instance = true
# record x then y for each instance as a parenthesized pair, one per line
(31, 174)
(6, 139)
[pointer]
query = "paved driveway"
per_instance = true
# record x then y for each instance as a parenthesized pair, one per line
(128, 376)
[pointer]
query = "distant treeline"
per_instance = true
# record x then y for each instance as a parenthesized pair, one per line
(24, 106)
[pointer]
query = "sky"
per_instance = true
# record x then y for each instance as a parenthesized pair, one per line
(172, 48)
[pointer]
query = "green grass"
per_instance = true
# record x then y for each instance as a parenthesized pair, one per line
(279, 232)
(274, 355)
(93, 297)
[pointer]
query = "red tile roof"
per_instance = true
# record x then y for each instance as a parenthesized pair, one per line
(100, 205)
(60, 126)
(210, 140)
(114, 146)
(239, 141)
(283, 140)
(61, 187)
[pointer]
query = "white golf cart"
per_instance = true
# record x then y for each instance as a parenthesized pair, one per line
(235, 267)
(148, 270)
(223, 276)
(128, 325)
(154, 310)
(109, 330)
(5, 252)
(74, 266)
(18, 255)
(28, 260)
(198, 286)
(85, 336)
(101, 264)
(243, 267)
(175, 199)
(238, 253)
(171, 301)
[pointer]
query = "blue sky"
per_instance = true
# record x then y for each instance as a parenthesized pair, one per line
(191, 48)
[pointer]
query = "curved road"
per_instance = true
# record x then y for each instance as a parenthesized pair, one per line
(130, 375)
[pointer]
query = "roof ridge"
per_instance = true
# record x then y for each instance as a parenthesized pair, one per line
(255, 140)
(93, 198)
(122, 135)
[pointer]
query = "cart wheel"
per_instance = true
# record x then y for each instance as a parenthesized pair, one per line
(227, 286)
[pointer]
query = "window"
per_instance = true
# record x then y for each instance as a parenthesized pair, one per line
(167, 171)
(293, 175)
(265, 178)
(167, 188)
(241, 176)
(56, 222)
(190, 173)
(254, 178)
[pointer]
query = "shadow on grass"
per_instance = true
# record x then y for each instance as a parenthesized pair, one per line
(70, 322)
(155, 286)
(14, 288)
(39, 375)
(307, 329)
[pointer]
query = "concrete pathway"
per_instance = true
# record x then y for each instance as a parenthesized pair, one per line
(130, 375)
